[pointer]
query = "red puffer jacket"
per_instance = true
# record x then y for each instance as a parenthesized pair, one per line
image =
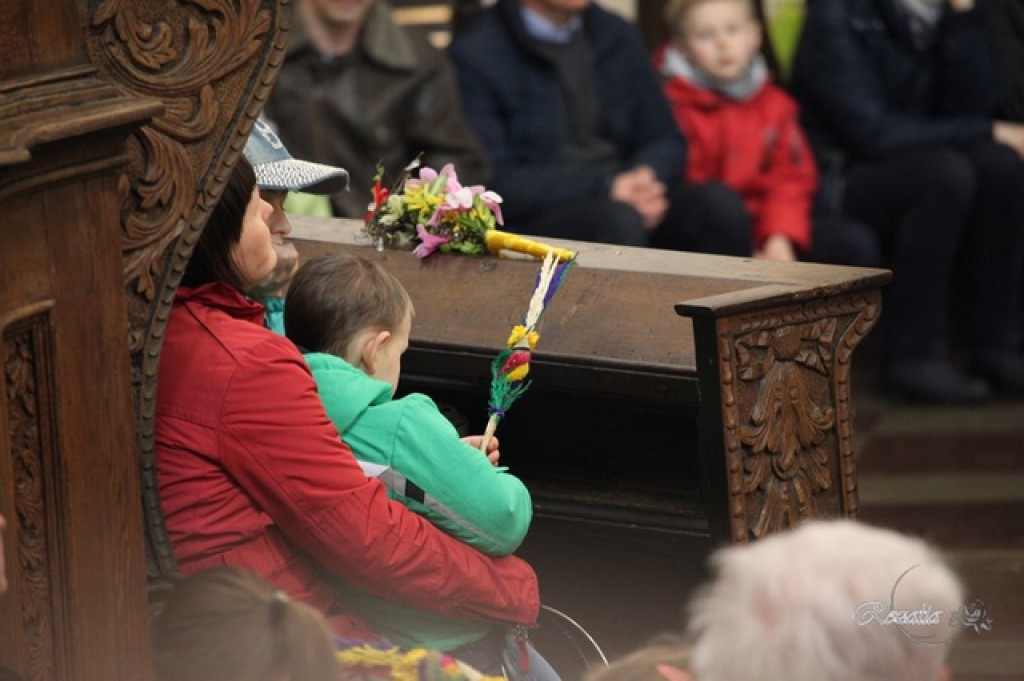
(755, 147)
(253, 473)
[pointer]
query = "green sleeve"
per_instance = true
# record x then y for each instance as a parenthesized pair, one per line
(466, 496)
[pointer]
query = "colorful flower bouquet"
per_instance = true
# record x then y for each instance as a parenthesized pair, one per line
(434, 212)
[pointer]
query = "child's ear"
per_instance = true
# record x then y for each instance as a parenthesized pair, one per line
(370, 349)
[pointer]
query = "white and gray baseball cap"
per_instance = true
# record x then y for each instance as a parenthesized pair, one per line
(277, 170)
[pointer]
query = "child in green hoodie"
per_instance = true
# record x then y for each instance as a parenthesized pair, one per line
(352, 320)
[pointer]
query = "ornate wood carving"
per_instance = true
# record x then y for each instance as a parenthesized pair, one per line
(27, 384)
(789, 453)
(55, 107)
(212, 63)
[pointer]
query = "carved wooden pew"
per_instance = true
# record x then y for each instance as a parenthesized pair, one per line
(756, 354)
(684, 398)
(119, 123)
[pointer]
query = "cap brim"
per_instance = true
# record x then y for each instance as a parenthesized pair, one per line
(293, 175)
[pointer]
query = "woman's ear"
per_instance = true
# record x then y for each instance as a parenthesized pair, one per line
(371, 347)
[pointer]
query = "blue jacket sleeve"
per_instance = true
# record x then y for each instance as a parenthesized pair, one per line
(654, 136)
(497, 81)
(520, 184)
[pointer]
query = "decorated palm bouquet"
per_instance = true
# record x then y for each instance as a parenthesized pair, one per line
(430, 211)
(434, 212)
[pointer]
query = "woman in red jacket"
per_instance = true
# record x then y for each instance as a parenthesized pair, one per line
(252, 472)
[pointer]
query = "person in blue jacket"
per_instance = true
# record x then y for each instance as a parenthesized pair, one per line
(352, 320)
(582, 142)
(898, 99)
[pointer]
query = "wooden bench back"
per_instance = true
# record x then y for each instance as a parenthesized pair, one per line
(119, 123)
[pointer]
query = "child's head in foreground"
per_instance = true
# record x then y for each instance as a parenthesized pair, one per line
(226, 624)
(814, 603)
(350, 306)
(718, 37)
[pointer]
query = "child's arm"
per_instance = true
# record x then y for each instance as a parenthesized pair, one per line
(462, 492)
(778, 248)
(790, 180)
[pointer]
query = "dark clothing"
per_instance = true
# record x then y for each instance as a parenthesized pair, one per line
(1008, 38)
(515, 99)
(392, 98)
(866, 90)
(561, 121)
(904, 135)
(685, 228)
(922, 203)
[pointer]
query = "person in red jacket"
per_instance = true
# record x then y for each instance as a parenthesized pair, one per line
(252, 472)
(743, 132)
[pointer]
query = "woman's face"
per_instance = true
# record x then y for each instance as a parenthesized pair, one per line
(254, 254)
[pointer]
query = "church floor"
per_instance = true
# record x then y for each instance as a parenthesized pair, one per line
(952, 475)
(955, 476)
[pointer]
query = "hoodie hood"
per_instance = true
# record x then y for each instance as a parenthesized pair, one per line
(361, 391)
(674, 64)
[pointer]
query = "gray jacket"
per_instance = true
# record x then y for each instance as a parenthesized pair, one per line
(392, 98)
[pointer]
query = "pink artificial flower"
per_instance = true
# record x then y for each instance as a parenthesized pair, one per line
(428, 242)
(493, 201)
(452, 185)
(426, 175)
(460, 198)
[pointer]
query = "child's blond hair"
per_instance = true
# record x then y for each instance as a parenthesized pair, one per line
(678, 11)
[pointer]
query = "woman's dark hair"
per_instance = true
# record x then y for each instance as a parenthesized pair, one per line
(211, 259)
(227, 624)
(335, 296)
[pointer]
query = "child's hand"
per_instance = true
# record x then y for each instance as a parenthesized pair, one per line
(777, 248)
(1010, 134)
(492, 447)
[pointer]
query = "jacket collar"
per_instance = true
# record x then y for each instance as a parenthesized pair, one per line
(896, 19)
(222, 296)
(743, 89)
(382, 40)
(510, 13)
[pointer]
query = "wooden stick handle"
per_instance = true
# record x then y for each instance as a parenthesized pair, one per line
(492, 425)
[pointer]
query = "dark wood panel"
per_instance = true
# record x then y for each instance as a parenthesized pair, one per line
(753, 357)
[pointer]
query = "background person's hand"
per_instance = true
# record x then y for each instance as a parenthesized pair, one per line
(778, 248)
(641, 189)
(961, 5)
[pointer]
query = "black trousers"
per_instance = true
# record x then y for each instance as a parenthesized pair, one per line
(705, 218)
(940, 211)
(702, 218)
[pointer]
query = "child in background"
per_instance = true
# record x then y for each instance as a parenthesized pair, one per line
(743, 131)
(352, 320)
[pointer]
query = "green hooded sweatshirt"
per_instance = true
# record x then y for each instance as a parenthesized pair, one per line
(410, 445)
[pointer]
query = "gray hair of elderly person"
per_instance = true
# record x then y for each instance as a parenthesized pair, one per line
(808, 604)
